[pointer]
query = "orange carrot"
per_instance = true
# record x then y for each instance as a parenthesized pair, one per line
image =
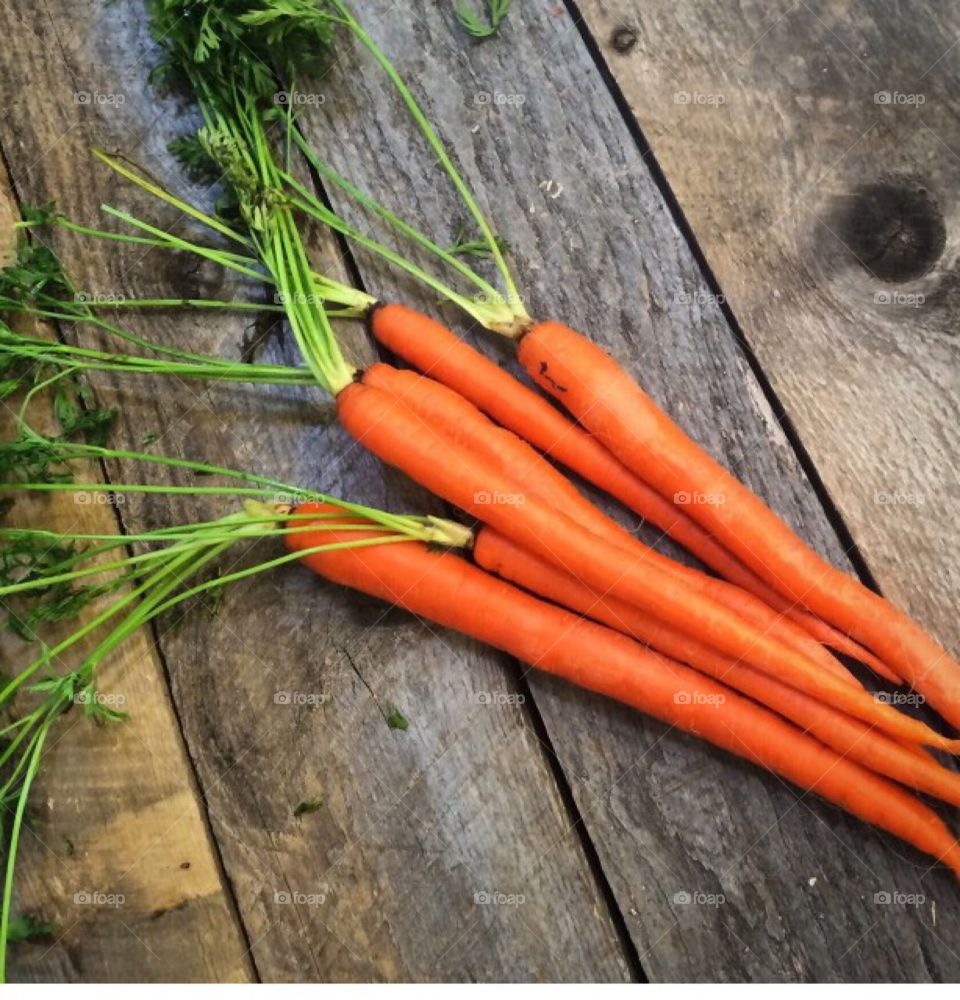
(434, 349)
(905, 763)
(450, 591)
(438, 352)
(607, 401)
(438, 406)
(388, 428)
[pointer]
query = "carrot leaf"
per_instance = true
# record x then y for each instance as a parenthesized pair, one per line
(497, 11)
(479, 248)
(307, 806)
(26, 927)
(397, 720)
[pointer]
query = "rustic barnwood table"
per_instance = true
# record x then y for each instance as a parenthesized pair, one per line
(753, 206)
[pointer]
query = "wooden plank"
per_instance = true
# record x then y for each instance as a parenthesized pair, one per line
(283, 695)
(815, 150)
(118, 855)
(541, 139)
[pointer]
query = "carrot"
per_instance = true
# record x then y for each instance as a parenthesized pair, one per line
(606, 400)
(851, 737)
(397, 435)
(438, 406)
(439, 353)
(451, 592)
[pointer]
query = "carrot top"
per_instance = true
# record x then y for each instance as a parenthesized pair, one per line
(50, 576)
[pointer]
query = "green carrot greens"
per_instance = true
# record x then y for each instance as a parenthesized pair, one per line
(497, 11)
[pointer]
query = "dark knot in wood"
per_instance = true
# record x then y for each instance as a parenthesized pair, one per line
(894, 228)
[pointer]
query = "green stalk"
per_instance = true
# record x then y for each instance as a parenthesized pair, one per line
(177, 243)
(188, 540)
(34, 765)
(421, 239)
(227, 305)
(214, 369)
(149, 608)
(335, 290)
(115, 608)
(438, 148)
(281, 561)
(57, 309)
(171, 199)
(494, 315)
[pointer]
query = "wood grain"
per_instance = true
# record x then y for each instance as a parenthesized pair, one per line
(284, 695)
(539, 136)
(118, 855)
(416, 824)
(814, 148)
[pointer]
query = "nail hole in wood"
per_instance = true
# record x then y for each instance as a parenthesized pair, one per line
(623, 39)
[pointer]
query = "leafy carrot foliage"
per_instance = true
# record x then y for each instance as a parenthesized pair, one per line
(497, 11)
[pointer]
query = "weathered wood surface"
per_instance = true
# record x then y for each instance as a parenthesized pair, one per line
(415, 823)
(284, 695)
(814, 148)
(117, 854)
(568, 188)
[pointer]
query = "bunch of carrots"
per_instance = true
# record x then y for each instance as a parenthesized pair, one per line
(743, 658)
